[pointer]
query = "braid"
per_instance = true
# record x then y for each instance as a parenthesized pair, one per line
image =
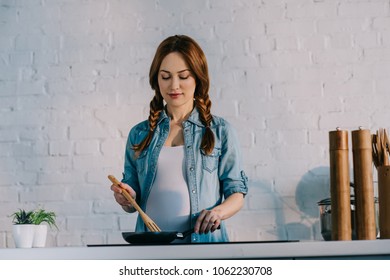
(156, 106)
(204, 105)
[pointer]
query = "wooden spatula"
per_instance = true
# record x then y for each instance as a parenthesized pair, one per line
(147, 220)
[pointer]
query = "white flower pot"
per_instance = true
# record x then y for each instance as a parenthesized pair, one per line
(23, 235)
(40, 236)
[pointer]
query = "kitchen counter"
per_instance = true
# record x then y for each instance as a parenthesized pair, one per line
(358, 249)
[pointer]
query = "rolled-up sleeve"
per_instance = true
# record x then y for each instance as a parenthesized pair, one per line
(231, 175)
(130, 174)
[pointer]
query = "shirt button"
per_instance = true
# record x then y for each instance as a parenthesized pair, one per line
(193, 191)
(191, 169)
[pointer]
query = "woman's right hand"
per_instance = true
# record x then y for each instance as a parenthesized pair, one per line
(120, 198)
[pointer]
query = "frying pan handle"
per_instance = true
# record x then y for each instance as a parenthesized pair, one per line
(182, 235)
(187, 232)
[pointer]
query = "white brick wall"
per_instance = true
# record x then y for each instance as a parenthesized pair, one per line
(73, 81)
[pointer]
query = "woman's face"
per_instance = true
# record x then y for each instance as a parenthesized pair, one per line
(176, 82)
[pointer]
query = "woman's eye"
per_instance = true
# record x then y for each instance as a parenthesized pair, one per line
(165, 77)
(184, 78)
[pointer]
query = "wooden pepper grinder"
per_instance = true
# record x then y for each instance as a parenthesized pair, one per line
(340, 185)
(363, 180)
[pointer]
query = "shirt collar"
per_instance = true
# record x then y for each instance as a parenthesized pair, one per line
(193, 118)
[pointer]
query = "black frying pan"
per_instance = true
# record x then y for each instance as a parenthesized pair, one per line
(148, 237)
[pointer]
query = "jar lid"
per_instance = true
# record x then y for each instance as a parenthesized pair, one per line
(325, 201)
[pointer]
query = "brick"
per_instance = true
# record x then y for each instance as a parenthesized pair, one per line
(290, 28)
(55, 178)
(347, 120)
(341, 40)
(45, 163)
(316, 10)
(17, 177)
(127, 221)
(99, 177)
(66, 239)
(272, 12)
(114, 147)
(285, 59)
(60, 148)
(351, 88)
(106, 207)
(335, 25)
(296, 90)
(67, 207)
(261, 44)
(363, 9)
(87, 147)
(223, 30)
(21, 58)
(95, 237)
(89, 131)
(115, 237)
(93, 162)
(377, 54)
(39, 194)
(381, 23)
(101, 222)
(8, 194)
(337, 57)
(312, 42)
(367, 40)
(286, 43)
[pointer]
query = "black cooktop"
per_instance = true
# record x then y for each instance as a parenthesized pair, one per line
(195, 244)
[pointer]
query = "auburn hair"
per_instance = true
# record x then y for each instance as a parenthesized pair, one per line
(196, 61)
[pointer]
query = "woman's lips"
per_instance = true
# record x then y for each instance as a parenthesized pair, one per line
(174, 95)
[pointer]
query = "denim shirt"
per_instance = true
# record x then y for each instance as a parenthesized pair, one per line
(210, 178)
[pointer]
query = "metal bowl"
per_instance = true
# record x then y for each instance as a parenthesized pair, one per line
(325, 209)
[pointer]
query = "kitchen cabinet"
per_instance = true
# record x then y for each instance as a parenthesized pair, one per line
(357, 249)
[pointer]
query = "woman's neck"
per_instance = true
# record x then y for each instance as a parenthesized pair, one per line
(178, 115)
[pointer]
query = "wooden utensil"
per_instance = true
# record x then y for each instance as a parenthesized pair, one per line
(384, 201)
(379, 147)
(152, 226)
(387, 144)
(375, 154)
(382, 136)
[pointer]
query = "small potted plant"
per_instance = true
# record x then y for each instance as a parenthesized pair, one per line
(23, 228)
(41, 219)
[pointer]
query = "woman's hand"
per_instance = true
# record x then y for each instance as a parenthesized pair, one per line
(210, 220)
(120, 198)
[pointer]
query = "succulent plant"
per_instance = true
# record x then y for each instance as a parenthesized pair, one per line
(22, 217)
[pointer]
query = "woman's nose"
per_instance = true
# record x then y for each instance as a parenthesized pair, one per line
(175, 83)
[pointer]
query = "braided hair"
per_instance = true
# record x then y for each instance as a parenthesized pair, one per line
(196, 59)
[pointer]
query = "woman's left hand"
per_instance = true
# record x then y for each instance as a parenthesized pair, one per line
(208, 220)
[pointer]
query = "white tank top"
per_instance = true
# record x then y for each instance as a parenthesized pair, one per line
(169, 201)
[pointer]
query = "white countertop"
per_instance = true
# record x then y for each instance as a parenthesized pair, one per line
(358, 249)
